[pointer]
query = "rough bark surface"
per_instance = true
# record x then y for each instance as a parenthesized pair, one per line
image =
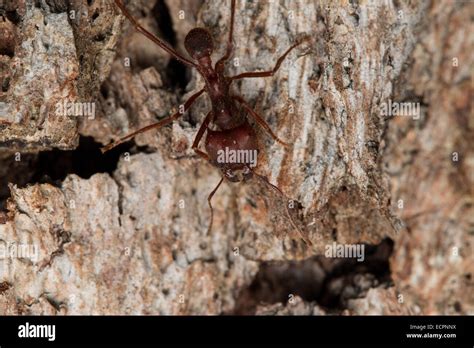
(132, 238)
(38, 69)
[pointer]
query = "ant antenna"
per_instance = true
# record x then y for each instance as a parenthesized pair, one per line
(152, 37)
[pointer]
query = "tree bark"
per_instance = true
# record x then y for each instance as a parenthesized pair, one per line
(134, 240)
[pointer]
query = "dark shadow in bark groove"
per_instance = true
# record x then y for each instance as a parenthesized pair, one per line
(84, 161)
(329, 282)
(176, 73)
(53, 166)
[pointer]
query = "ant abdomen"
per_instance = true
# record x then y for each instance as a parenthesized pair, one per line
(198, 42)
(232, 149)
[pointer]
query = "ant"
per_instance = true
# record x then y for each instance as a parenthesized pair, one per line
(233, 133)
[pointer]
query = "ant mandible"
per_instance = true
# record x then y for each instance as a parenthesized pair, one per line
(233, 133)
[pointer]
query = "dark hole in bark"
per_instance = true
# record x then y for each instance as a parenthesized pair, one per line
(12, 16)
(163, 19)
(53, 166)
(99, 37)
(6, 84)
(84, 161)
(7, 51)
(176, 72)
(95, 15)
(328, 282)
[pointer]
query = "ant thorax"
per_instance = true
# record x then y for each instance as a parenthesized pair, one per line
(225, 117)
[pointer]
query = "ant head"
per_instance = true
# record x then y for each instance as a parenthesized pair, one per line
(199, 43)
(232, 175)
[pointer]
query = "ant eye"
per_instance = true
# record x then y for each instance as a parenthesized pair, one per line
(199, 43)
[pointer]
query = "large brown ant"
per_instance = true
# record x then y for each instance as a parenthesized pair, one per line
(233, 133)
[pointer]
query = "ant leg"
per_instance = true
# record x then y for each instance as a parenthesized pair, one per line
(152, 37)
(270, 72)
(303, 236)
(199, 135)
(258, 118)
(230, 45)
(159, 124)
(210, 204)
